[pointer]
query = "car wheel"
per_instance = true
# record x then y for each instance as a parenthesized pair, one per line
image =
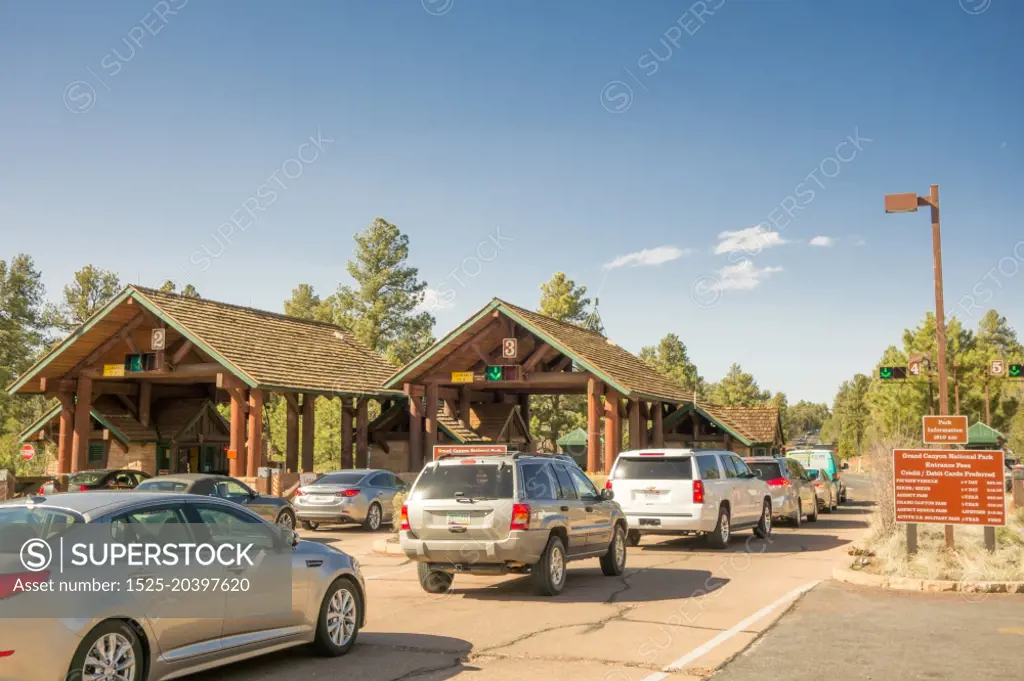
(719, 538)
(549, 572)
(374, 516)
(613, 563)
(341, 614)
(764, 526)
(286, 519)
(110, 651)
(310, 525)
(798, 519)
(813, 517)
(434, 581)
(633, 538)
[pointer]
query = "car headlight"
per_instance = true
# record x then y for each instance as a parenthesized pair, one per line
(355, 565)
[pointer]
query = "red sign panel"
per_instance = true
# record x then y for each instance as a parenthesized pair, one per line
(949, 487)
(944, 430)
(28, 452)
(469, 450)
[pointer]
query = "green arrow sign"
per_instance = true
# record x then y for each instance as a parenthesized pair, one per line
(1015, 370)
(885, 372)
(494, 373)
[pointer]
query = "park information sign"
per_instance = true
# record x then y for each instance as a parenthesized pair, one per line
(469, 450)
(949, 487)
(944, 430)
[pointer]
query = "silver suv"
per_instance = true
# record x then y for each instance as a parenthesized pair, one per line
(513, 513)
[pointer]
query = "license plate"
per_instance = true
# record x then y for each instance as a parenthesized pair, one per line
(458, 519)
(650, 521)
(320, 499)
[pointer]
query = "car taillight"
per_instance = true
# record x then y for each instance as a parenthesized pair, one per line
(347, 493)
(608, 484)
(520, 517)
(83, 488)
(299, 492)
(6, 653)
(42, 490)
(8, 582)
(778, 482)
(698, 492)
(405, 517)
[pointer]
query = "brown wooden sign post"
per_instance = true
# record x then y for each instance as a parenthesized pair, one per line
(950, 487)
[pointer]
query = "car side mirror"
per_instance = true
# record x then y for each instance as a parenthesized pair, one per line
(607, 494)
(290, 536)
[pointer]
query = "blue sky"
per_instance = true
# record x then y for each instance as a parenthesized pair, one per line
(571, 133)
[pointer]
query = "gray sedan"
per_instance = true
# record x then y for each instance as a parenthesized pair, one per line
(273, 509)
(363, 496)
(116, 643)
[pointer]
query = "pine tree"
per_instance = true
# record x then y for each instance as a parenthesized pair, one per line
(306, 304)
(91, 289)
(381, 309)
(670, 358)
(737, 389)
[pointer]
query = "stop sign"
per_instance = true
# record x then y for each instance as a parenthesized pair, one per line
(28, 452)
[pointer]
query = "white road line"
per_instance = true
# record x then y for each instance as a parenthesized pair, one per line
(390, 572)
(702, 650)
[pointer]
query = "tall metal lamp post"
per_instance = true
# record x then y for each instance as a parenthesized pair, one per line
(909, 203)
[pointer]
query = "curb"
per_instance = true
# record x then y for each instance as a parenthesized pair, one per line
(858, 578)
(388, 548)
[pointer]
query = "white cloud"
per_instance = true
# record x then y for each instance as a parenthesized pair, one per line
(750, 240)
(825, 241)
(648, 257)
(743, 276)
(434, 301)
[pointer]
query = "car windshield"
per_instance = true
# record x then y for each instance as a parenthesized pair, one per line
(765, 470)
(162, 486)
(18, 524)
(655, 468)
(86, 478)
(340, 479)
(476, 481)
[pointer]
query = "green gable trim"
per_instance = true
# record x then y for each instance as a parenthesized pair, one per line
(55, 411)
(34, 370)
(39, 423)
(196, 340)
(678, 414)
(399, 377)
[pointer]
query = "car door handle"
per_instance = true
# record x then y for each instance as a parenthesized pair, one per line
(314, 563)
(236, 569)
(563, 508)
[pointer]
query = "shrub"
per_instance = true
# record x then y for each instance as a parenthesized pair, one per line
(396, 511)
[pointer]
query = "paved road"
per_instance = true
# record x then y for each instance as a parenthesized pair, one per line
(875, 634)
(680, 611)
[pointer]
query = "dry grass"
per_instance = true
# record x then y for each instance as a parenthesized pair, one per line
(599, 479)
(396, 506)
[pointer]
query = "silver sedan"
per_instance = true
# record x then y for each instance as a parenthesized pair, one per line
(115, 643)
(363, 496)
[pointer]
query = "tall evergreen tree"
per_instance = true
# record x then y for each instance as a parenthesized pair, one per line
(381, 308)
(737, 389)
(306, 304)
(189, 291)
(670, 357)
(90, 290)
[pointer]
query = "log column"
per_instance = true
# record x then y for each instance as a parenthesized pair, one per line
(237, 465)
(255, 453)
(634, 424)
(430, 434)
(659, 425)
(464, 405)
(612, 428)
(415, 429)
(594, 390)
(362, 433)
(524, 411)
(65, 451)
(728, 442)
(346, 433)
(80, 456)
(308, 430)
(291, 436)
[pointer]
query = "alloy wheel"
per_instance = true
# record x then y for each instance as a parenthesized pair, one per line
(341, 617)
(557, 565)
(111, 658)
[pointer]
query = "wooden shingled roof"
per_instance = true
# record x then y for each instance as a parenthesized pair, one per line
(589, 350)
(264, 349)
(751, 425)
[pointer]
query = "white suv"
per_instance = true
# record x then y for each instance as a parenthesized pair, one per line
(690, 491)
